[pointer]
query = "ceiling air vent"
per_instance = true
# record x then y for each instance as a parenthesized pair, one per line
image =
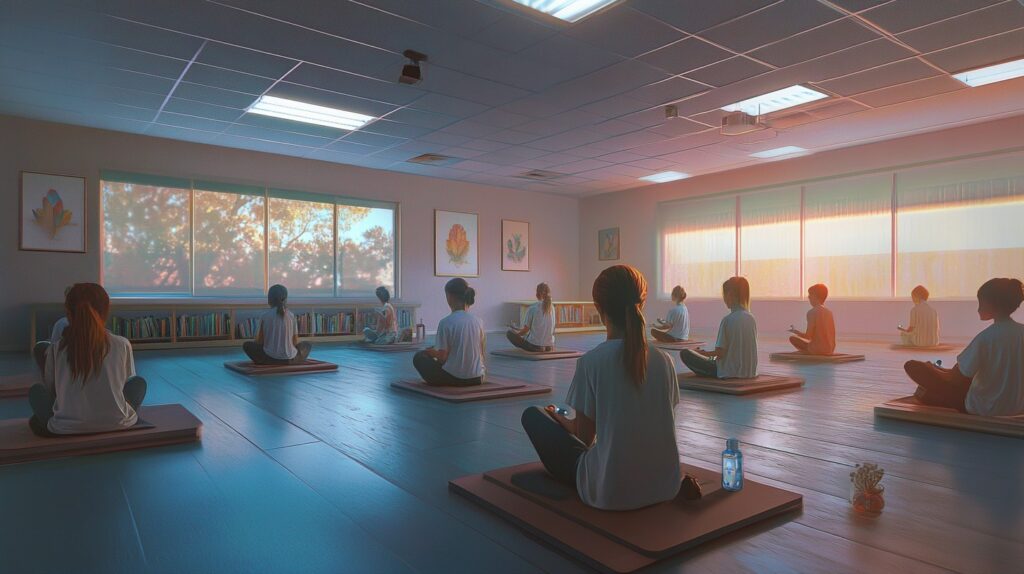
(738, 123)
(541, 175)
(434, 159)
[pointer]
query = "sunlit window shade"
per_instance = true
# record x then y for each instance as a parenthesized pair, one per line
(366, 248)
(301, 242)
(146, 235)
(770, 242)
(960, 225)
(848, 236)
(229, 243)
(698, 245)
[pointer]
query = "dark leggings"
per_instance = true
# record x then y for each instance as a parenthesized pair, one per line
(938, 387)
(39, 353)
(699, 364)
(518, 340)
(256, 353)
(41, 401)
(433, 374)
(559, 451)
(663, 336)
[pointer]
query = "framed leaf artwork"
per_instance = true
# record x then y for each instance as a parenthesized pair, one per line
(456, 245)
(515, 245)
(608, 244)
(52, 213)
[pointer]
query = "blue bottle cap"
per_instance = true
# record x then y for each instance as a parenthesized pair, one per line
(732, 444)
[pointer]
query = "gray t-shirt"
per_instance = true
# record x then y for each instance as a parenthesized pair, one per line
(96, 404)
(737, 337)
(542, 325)
(279, 334)
(679, 318)
(462, 335)
(995, 362)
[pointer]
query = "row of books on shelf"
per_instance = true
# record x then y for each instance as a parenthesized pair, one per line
(141, 327)
(576, 315)
(206, 325)
(326, 323)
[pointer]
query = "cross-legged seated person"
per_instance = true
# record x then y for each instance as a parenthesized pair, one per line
(89, 382)
(457, 360)
(820, 337)
(988, 378)
(40, 348)
(619, 452)
(386, 332)
(676, 326)
(538, 331)
(735, 354)
(277, 339)
(923, 330)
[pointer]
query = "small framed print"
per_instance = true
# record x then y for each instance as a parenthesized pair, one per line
(515, 245)
(456, 245)
(52, 213)
(608, 244)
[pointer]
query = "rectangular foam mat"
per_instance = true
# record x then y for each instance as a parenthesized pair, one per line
(17, 385)
(392, 348)
(622, 541)
(163, 425)
(251, 368)
(934, 349)
(909, 409)
(798, 357)
(678, 346)
(518, 353)
(759, 384)
(492, 388)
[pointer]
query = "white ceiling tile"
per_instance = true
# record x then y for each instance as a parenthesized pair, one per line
(843, 62)
(353, 84)
(513, 32)
(469, 129)
(190, 122)
(858, 5)
(624, 31)
(615, 106)
(677, 127)
(291, 138)
(696, 15)
(771, 24)
(728, 71)
(211, 95)
(421, 118)
(577, 57)
(972, 26)
(462, 152)
(887, 75)
(464, 17)
(686, 55)
(372, 139)
(202, 110)
(903, 15)
(357, 149)
(566, 140)
(998, 48)
(447, 105)
(243, 60)
(911, 91)
(397, 129)
(484, 145)
(227, 79)
(179, 133)
(580, 166)
(666, 91)
(512, 137)
(444, 138)
(823, 40)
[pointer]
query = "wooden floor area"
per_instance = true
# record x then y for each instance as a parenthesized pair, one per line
(337, 472)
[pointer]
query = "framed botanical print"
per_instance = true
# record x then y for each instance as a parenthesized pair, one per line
(515, 245)
(608, 244)
(52, 213)
(456, 245)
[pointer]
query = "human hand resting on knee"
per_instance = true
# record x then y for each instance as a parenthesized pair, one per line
(554, 412)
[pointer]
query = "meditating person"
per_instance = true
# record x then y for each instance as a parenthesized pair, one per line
(820, 336)
(277, 338)
(735, 354)
(538, 330)
(457, 358)
(923, 330)
(619, 452)
(988, 377)
(89, 381)
(676, 326)
(39, 350)
(386, 332)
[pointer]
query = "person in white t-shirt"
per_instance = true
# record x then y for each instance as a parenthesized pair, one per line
(820, 337)
(537, 334)
(988, 377)
(89, 381)
(386, 332)
(676, 326)
(39, 350)
(619, 452)
(277, 339)
(923, 330)
(457, 358)
(735, 354)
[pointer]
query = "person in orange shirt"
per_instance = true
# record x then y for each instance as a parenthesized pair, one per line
(820, 337)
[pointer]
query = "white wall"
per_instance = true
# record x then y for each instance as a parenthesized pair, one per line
(30, 277)
(633, 212)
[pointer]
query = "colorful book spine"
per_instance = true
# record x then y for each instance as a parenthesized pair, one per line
(206, 325)
(141, 328)
(313, 324)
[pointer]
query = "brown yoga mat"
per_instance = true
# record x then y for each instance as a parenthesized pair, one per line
(622, 541)
(493, 388)
(392, 348)
(677, 346)
(759, 384)
(909, 409)
(798, 357)
(17, 385)
(251, 368)
(933, 349)
(518, 353)
(161, 425)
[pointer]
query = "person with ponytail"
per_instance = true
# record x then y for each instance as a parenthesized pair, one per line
(457, 359)
(619, 451)
(277, 339)
(386, 332)
(988, 377)
(89, 381)
(676, 326)
(537, 334)
(735, 354)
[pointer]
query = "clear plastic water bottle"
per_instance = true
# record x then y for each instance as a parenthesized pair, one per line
(732, 466)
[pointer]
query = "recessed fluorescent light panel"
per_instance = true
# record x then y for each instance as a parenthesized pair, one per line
(775, 101)
(665, 176)
(992, 74)
(778, 152)
(568, 10)
(309, 113)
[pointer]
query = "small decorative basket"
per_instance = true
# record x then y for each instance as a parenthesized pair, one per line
(866, 494)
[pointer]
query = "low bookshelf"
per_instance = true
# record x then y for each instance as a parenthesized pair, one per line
(163, 324)
(570, 316)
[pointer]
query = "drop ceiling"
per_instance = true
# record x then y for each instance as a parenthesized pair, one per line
(508, 91)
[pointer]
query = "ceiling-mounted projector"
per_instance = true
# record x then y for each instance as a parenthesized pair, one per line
(737, 123)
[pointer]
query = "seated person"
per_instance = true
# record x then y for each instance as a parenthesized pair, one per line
(988, 377)
(386, 332)
(277, 339)
(735, 354)
(676, 326)
(624, 394)
(538, 331)
(820, 337)
(39, 351)
(923, 330)
(457, 360)
(89, 381)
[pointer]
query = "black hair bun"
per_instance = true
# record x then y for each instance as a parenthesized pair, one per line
(470, 296)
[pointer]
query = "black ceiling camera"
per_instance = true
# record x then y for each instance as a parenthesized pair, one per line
(411, 73)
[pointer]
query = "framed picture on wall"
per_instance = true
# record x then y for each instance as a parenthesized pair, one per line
(456, 245)
(608, 244)
(515, 245)
(52, 213)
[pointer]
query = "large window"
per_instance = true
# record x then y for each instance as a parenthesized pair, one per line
(770, 242)
(698, 245)
(189, 238)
